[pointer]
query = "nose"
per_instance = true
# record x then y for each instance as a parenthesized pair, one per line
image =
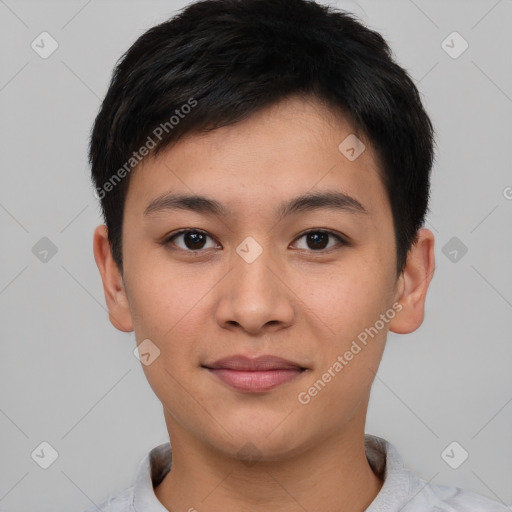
(255, 297)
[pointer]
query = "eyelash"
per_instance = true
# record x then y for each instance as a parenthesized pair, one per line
(341, 241)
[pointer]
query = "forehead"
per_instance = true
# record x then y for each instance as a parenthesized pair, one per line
(292, 148)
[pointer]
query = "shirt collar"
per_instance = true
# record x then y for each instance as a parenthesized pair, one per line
(150, 472)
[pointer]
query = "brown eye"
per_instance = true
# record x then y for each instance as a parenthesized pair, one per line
(319, 240)
(190, 240)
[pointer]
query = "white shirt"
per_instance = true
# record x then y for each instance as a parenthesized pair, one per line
(402, 490)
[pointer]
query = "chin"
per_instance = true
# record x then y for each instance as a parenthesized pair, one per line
(251, 443)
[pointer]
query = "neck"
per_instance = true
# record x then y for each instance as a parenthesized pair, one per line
(333, 475)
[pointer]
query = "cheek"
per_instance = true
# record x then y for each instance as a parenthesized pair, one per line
(348, 298)
(165, 314)
(348, 360)
(166, 309)
(163, 297)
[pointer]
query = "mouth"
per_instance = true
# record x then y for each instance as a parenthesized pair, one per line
(255, 375)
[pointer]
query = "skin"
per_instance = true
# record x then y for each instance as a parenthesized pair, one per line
(294, 301)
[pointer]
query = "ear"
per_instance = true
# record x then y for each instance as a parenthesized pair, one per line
(113, 285)
(413, 284)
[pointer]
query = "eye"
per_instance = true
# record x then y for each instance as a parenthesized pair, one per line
(192, 240)
(318, 240)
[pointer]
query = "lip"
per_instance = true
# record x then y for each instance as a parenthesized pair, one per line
(255, 375)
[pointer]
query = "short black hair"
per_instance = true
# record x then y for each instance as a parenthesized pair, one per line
(219, 61)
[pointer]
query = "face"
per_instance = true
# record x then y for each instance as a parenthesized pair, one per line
(290, 255)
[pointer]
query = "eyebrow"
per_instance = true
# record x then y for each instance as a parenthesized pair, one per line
(306, 202)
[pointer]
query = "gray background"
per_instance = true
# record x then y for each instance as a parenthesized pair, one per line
(69, 378)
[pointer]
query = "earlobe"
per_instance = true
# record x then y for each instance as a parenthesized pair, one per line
(113, 285)
(413, 284)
